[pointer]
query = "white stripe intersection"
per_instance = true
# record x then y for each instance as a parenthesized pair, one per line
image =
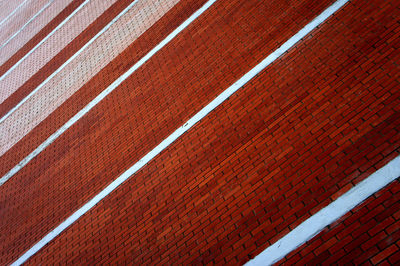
(181, 130)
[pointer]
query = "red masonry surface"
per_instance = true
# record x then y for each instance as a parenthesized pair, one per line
(47, 29)
(317, 121)
(369, 234)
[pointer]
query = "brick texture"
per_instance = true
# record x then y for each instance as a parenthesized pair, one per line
(53, 45)
(20, 17)
(34, 32)
(317, 121)
(368, 235)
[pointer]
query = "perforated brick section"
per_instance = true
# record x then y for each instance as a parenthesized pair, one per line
(79, 71)
(52, 46)
(20, 17)
(23, 35)
(8, 7)
(9, 60)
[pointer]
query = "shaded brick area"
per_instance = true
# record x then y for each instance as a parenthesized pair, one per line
(287, 144)
(368, 235)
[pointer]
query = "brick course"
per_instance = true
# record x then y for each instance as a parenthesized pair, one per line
(52, 46)
(11, 53)
(305, 130)
(369, 234)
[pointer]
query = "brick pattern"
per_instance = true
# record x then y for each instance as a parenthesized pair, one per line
(97, 84)
(20, 52)
(21, 16)
(104, 170)
(130, 56)
(52, 46)
(78, 72)
(31, 29)
(7, 7)
(368, 235)
(317, 121)
(63, 55)
(230, 199)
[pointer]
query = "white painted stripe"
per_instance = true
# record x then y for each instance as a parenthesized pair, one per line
(42, 41)
(67, 62)
(12, 13)
(27, 23)
(177, 133)
(212, 105)
(104, 93)
(316, 223)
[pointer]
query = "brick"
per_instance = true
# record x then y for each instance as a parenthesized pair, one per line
(280, 149)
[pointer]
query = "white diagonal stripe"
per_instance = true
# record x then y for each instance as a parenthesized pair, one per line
(27, 23)
(316, 223)
(177, 133)
(44, 39)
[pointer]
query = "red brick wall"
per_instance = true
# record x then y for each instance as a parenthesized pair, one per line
(369, 234)
(317, 121)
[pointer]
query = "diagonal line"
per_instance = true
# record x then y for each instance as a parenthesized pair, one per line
(67, 62)
(191, 122)
(27, 23)
(316, 223)
(42, 41)
(12, 13)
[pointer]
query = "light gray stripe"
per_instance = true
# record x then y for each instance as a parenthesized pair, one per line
(316, 223)
(181, 130)
(42, 41)
(27, 23)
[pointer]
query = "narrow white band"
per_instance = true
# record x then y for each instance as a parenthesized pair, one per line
(27, 23)
(313, 225)
(44, 39)
(177, 133)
